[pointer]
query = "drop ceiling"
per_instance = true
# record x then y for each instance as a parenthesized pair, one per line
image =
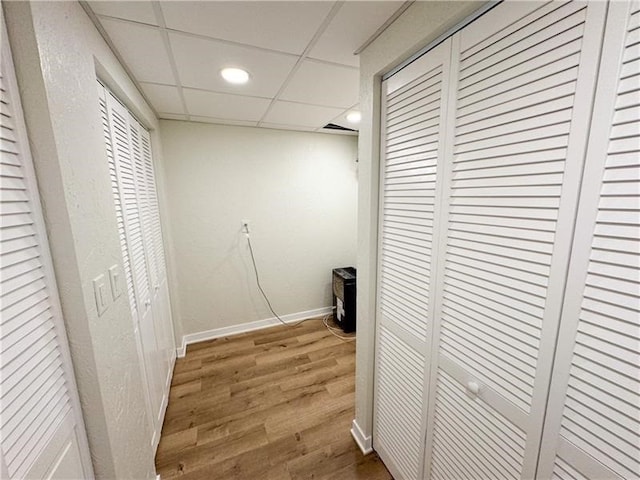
(299, 54)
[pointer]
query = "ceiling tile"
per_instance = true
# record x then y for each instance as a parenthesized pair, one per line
(222, 121)
(164, 98)
(283, 26)
(136, 11)
(353, 25)
(225, 106)
(142, 49)
(278, 126)
(199, 62)
(323, 84)
(171, 116)
(288, 113)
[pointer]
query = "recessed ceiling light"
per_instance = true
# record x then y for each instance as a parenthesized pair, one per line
(235, 75)
(354, 117)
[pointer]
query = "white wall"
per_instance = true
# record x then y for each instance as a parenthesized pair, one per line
(420, 24)
(299, 192)
(57, 51)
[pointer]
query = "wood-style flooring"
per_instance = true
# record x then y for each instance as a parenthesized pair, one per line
(275, 404)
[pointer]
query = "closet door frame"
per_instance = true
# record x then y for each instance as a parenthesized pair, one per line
(596, 158)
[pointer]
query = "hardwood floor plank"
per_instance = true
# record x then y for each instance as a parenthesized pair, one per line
(190, 459)
(274, 404)
(183, 365)
(283, 423)
(178, 441)
(341, 386)
(185, 389)
(323, 462)
(255, 372)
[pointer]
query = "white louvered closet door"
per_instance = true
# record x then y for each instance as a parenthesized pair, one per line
(164, 334)
(129, 196)
(414, 106)
(526, 75)
(41, 429)
(149, 325)
(592, 429)
(156, 334)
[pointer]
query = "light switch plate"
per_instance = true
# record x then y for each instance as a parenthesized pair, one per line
(115, 280)
(100, 292)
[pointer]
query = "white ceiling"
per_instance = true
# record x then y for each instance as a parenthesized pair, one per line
(300, 56)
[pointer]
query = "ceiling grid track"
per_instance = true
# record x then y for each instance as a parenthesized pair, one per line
(323, 26)
(157, 9)
(301, 56)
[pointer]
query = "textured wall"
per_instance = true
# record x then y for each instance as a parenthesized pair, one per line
(299, 192)
(57, 51)
(421, 23)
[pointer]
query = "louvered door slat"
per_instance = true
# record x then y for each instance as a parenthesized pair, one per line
(564, 471)
(36, 377)
(595, 412)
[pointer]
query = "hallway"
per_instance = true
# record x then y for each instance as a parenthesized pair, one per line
(274, 404)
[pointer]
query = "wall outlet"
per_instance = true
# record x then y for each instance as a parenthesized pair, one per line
(245, 226)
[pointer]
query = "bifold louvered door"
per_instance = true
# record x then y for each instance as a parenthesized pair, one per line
(154, 253)
(414, 105)
(525, 87)
(41, 429)
(159, 286)
(592, 429)
(134, 192)
(144, 260)
(124, 194)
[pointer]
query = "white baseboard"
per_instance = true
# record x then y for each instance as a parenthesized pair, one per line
(181, 351)
(248, 327)
(361, 439)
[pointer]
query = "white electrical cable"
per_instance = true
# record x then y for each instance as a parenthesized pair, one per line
(333, 330)
(255, 269)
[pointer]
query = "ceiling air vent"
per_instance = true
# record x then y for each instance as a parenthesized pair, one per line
(333, 126)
